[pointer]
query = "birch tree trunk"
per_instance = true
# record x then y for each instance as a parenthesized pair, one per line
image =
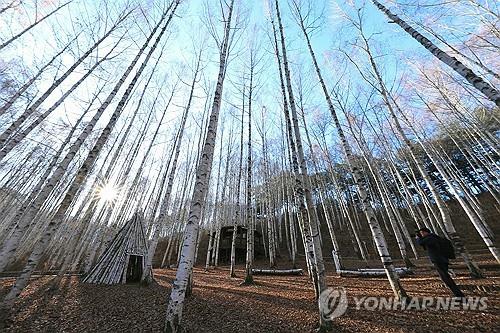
(209, 248)
(238, 188)
(321, 186)
(297, 188)
(17, 137)
(446, 218)
(452, 62)
(217, 206)
(483, 232)
(33, 107)
(12, 99)
(26, 213)
(34, 24)
(58, 218)
(360, 181)
(249, 203)
(166, 200)
(310, 217)
(203, 170)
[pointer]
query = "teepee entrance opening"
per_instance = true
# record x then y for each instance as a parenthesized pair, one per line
(134, 269)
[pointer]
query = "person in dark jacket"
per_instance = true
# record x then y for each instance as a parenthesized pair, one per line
(430, 242)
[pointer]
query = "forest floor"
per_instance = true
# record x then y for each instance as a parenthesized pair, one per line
(220, 304)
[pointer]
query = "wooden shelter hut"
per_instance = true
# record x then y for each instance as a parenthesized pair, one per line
(124, 260)
(226, 238)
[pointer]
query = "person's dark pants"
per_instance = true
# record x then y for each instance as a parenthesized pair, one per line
(442, 269)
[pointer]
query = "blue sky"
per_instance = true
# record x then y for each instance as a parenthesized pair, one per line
(396, 51)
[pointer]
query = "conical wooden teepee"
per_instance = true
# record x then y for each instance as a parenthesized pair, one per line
(125, 258)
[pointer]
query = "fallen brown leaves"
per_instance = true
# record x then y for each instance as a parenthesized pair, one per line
(220, 304)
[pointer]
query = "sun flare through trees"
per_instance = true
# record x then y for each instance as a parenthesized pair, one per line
(249, 166)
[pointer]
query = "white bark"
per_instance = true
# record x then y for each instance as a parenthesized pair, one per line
(58, 218)
(34, 107)
(238, 189)
(460, 68)
(32, 25)
(203, 170)
(28, 84)
(359, 179)
(17, 137)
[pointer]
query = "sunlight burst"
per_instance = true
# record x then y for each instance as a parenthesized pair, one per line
(107, 192)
